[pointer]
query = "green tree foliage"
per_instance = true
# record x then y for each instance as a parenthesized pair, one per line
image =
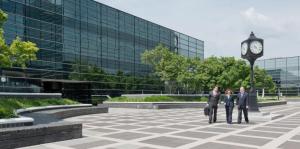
(18, 53)
(196, 75)
(167, 65)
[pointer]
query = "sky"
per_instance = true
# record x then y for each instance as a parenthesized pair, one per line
(223, 24)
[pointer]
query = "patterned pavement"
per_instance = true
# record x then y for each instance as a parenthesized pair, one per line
(183, 129)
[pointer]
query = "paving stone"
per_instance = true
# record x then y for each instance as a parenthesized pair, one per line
(213, 145)
(36, 147)
(261, 134)
(273, 129)
(232, 126)
(101, 124)
(297, 137)
(283, 125)
(103, 130)
(127, 135)
(77, 141)
(290, 145)
(151, 124)
(129, 146)
(180, 126)
(216, 130)
(194, 134)
(157, 130)
(92, 144)
(126, 127)
(246, 140)
(127, 121)
(168, 141)
(196, 123)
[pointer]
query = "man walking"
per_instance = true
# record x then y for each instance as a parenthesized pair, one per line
(242, 104)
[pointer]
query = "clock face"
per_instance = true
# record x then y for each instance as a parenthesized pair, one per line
(244, 48)
(256, 47)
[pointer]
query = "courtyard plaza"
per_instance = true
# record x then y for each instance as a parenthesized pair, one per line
(183, 129)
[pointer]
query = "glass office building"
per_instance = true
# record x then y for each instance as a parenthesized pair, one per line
(286, 70)
(79, 37)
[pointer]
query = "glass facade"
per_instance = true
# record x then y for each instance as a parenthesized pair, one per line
(74, 35)
(286, 70)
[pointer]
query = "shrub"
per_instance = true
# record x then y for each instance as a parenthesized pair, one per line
(8, 106)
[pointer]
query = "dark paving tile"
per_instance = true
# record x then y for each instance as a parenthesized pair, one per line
(103, 130)
(126, 127)
(180, 126)
(216, 130)
(297, 137)
(93, 144)
(283, 125)
(288, 122)
(196, 123)
(127, 121)
(273, 129)
(232, 126)
(151, 124)
(245, 140)
(194, 134)
(212, 145)
(157, 130)
(290, 145)
(168, 141)
(127, 135)
(129, 146)
(261, 134)
(101, 124)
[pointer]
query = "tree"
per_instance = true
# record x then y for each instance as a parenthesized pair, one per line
(166, 64)
(18, 53)
(192, 74)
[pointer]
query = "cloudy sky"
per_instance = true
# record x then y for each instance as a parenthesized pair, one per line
(223, 24)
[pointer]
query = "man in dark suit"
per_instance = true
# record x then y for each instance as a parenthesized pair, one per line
(213, 101)
(242, 103)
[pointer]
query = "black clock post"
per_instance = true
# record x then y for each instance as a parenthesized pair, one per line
(252, 49)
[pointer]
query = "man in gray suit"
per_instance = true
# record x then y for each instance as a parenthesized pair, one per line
(213, 101)
(242, 104)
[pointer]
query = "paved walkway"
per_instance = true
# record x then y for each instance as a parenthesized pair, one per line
(182, 129)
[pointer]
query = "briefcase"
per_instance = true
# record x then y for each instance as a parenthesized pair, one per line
(206, 110)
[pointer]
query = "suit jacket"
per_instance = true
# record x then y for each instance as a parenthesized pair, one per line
(213, 100)
(243, 101)
(229, 101)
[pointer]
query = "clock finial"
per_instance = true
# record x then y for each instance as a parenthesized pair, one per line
(252, 35)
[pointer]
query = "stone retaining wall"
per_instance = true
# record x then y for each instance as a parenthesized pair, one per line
(33, 135)
(50, 127)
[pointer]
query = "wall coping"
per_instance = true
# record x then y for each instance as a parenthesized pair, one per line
(35, 109)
